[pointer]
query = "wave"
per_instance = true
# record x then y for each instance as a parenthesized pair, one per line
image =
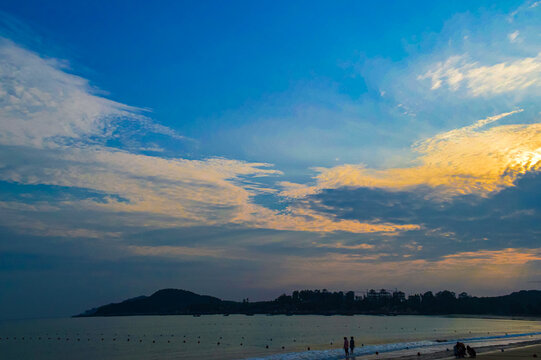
(338, 354)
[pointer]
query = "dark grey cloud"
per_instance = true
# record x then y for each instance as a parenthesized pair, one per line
(509, 218)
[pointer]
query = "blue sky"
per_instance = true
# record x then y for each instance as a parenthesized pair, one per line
(251, 148)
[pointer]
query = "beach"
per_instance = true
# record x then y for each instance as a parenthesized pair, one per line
(518, 350)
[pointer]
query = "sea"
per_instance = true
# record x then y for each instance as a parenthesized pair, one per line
(211, 337)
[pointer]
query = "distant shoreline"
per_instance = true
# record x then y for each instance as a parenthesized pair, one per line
(462, 316)
(523, 304)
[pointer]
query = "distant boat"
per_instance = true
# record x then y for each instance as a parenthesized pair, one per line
(226, 314)
(249, 314)
(196, 315)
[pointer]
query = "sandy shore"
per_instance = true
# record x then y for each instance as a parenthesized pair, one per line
(524, 349)
(531, 351)
(488, 352)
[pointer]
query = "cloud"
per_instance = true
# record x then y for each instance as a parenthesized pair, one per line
(340, 245)
(40, 102)
(54, 131)
(488, 272)
(468, 160)
(176, 251)
(303, 218)
(43, 105)
(485, 80)
(513, 36)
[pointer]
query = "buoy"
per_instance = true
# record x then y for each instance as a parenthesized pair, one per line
(308, 348)
(218, 343)
(101, 339)
(502, 350)
(153, 341)
(418, 354)
(127, 339)
(198, 341)
(168, 341)
(140, 340)
(283, 348)
(240, 344)
(266, 346)
(377, 353)
(184, 341)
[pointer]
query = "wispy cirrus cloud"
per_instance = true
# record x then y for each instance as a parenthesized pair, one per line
(458, 73)
(43, 105)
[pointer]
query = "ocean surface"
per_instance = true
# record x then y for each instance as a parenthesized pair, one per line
(240, 337)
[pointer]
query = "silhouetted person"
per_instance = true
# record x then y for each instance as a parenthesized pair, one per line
(461, 350)
(471, 351)
(346, 346)
(351, 345)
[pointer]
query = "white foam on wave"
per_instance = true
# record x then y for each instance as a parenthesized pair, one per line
(338, 354)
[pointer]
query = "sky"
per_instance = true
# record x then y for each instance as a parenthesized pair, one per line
(247, 149)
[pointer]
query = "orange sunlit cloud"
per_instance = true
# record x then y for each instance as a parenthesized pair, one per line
(489, 271)
(468, 160)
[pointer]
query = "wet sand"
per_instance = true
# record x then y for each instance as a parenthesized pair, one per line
(531, 352)
(520, 350)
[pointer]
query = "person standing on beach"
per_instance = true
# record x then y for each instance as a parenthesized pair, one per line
(351, 345)
(346, 346)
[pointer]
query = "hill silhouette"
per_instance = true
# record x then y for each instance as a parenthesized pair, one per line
(175, 302)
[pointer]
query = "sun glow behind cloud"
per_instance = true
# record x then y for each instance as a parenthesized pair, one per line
(470, 160)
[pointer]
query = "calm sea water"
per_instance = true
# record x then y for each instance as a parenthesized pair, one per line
(230, 337)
